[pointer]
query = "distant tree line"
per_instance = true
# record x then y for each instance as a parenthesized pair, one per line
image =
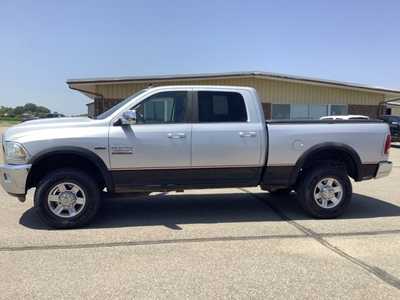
(27, 109)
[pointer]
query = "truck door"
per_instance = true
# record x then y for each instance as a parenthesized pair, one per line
(224, 139)
(147, 153)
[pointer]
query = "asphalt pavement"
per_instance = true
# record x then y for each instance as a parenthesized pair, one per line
(230, 243)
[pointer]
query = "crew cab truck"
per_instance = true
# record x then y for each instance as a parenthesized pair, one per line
(174, 138)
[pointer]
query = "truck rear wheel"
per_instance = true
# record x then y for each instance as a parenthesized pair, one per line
(325, 192)
(67, 198)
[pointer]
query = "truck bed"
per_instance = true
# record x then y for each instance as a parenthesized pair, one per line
(289, 139)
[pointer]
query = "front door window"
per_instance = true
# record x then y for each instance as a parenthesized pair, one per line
(166, 107)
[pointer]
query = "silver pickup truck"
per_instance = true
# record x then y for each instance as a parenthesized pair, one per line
(188, 137)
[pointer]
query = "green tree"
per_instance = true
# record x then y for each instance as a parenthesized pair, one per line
(28, 108)
(19, 110)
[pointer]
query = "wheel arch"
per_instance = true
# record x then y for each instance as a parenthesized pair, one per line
(69, 156)
(329, 151)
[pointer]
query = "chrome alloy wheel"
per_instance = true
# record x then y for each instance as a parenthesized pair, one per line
(328, 193)
(66, 200)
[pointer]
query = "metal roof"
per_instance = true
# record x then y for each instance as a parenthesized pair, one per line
(276, 76)
(395, 102)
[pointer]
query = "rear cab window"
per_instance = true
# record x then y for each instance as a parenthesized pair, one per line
(220, 106)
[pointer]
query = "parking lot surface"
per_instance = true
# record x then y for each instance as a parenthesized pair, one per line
(231, 243)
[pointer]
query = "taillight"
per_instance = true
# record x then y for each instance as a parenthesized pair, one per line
(388, 143)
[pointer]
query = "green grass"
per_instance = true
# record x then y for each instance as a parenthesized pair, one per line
(8, 122)
(4, 121)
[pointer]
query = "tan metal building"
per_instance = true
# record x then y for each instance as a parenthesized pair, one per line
(282, 96)
(393, 107)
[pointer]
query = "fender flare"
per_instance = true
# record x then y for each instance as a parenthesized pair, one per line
(328, 146)
(78, 151)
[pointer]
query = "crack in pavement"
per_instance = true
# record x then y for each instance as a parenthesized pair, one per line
(306, 233)
(149, 242)
(190, 240)
(378, 272)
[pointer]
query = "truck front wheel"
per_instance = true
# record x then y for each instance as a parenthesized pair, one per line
(325, 192)
(67, 198)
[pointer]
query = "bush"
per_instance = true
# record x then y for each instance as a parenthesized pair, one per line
(17, 112)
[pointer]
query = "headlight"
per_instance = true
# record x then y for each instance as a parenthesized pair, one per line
(15, 153)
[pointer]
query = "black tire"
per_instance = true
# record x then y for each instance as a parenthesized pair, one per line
(92, 198)
(308, 184)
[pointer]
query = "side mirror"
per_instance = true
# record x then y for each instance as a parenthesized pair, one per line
(128, 117)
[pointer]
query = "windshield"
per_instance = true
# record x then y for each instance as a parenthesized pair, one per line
(109, 112)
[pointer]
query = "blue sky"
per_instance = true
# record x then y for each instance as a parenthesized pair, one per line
(43, 43)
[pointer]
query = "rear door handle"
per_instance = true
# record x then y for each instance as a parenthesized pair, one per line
(247, 133)
(176, 135)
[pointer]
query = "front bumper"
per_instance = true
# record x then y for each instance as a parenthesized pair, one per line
(13, 178)
(384, 169)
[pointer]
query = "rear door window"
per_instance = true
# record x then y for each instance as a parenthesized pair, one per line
(221, 107)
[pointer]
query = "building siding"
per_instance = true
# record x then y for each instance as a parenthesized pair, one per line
(372, 111)
(270, 91)
(281, 92)
(395, 110)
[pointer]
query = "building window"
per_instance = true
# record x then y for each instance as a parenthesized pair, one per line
(299, 111)
(336, 110)
(280, 111)
(306, 111)
(317, 111)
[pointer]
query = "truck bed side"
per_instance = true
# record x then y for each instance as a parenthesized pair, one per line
(291, 143)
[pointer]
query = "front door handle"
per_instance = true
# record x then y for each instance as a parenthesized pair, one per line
(176, 135)
(247, 133)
